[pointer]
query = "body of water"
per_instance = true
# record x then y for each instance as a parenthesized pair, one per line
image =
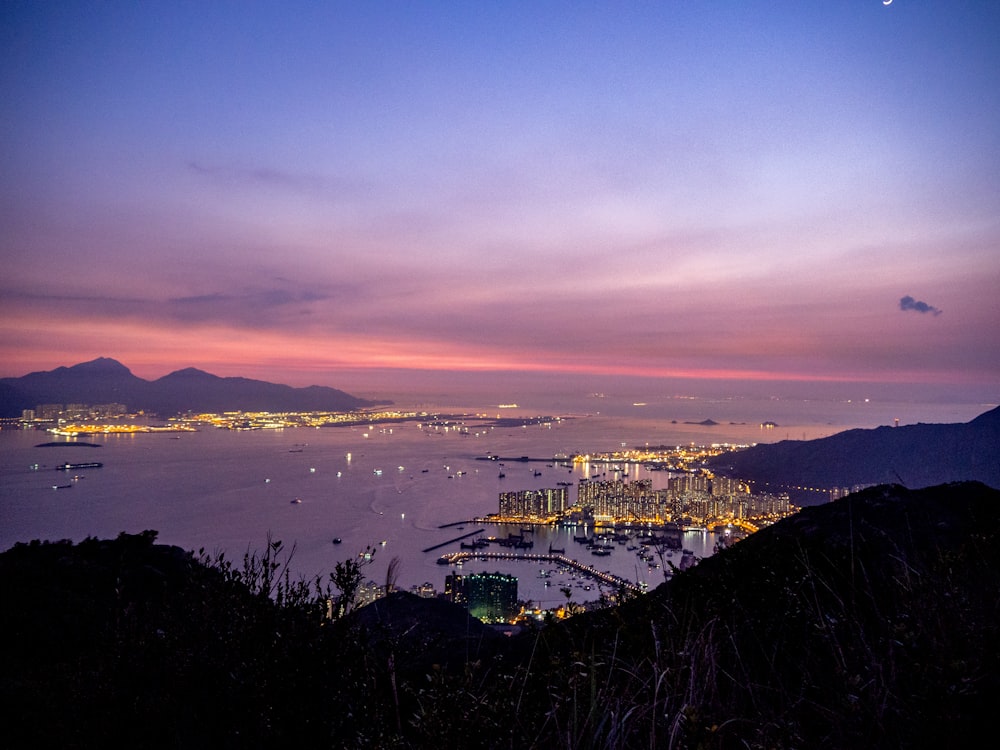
(390, 486)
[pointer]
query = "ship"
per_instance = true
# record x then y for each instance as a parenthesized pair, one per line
(72, 467)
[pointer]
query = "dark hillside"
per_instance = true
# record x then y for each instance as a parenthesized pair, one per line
(915, 456)
(433, 631)
(869, 622)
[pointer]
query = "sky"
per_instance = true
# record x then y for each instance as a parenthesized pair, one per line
(389, 196)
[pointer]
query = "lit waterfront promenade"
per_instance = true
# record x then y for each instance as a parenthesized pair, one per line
(590, 570)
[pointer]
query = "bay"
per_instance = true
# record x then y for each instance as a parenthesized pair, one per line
(390, 487)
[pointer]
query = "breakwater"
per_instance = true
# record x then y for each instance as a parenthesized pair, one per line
(451, 541)
(589, 570)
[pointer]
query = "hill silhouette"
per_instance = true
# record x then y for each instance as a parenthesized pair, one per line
(919, 455)
(868, 622)
(104, 380)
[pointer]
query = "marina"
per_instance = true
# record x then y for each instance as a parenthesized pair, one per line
(590, 571)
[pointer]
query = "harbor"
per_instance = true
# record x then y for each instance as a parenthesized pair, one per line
(616, 582)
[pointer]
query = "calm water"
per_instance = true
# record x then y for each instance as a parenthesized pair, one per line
(397, 484)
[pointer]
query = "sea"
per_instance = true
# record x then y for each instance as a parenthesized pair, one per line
(393, 489)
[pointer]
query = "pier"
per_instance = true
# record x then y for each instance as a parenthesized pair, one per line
(609, 578)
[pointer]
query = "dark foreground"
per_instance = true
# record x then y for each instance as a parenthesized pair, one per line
(869, 622)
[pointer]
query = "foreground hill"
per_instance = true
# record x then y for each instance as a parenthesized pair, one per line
(868, 622)
(918, 455)
(104, 381)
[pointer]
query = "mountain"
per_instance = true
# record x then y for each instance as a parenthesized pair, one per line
(100, 381)
(105, 380)
(919, 455)
(179, 390)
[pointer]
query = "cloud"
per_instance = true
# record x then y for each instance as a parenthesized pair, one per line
(908, 303)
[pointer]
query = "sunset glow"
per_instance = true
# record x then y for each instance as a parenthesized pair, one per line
(356, 195)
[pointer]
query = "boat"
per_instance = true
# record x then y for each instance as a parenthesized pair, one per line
(337, 540)
(296, 501)
(62, 486)
(87, 465)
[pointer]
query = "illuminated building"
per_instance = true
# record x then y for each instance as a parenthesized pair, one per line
(543, 503)
(490, 597)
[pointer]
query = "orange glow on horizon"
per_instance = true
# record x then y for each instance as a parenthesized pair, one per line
(151, 353)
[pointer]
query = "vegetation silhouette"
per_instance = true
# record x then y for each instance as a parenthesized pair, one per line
(871, 621)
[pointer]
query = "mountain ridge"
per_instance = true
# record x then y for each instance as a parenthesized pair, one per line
(920, 455)
(106, 380)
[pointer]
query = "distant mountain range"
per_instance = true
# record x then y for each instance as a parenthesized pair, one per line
(105, 381)
(920, 455)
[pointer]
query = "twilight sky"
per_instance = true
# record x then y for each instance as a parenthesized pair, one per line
(372, 195)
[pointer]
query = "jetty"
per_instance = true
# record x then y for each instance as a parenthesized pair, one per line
(456, 539)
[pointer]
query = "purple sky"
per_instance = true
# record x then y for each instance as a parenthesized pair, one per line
(368, 195)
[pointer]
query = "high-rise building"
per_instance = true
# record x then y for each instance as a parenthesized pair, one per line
(48, 411)
(490, 597)
(544, 503)
(613, 499)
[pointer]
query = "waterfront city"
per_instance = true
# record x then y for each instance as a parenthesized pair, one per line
(596, 505)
